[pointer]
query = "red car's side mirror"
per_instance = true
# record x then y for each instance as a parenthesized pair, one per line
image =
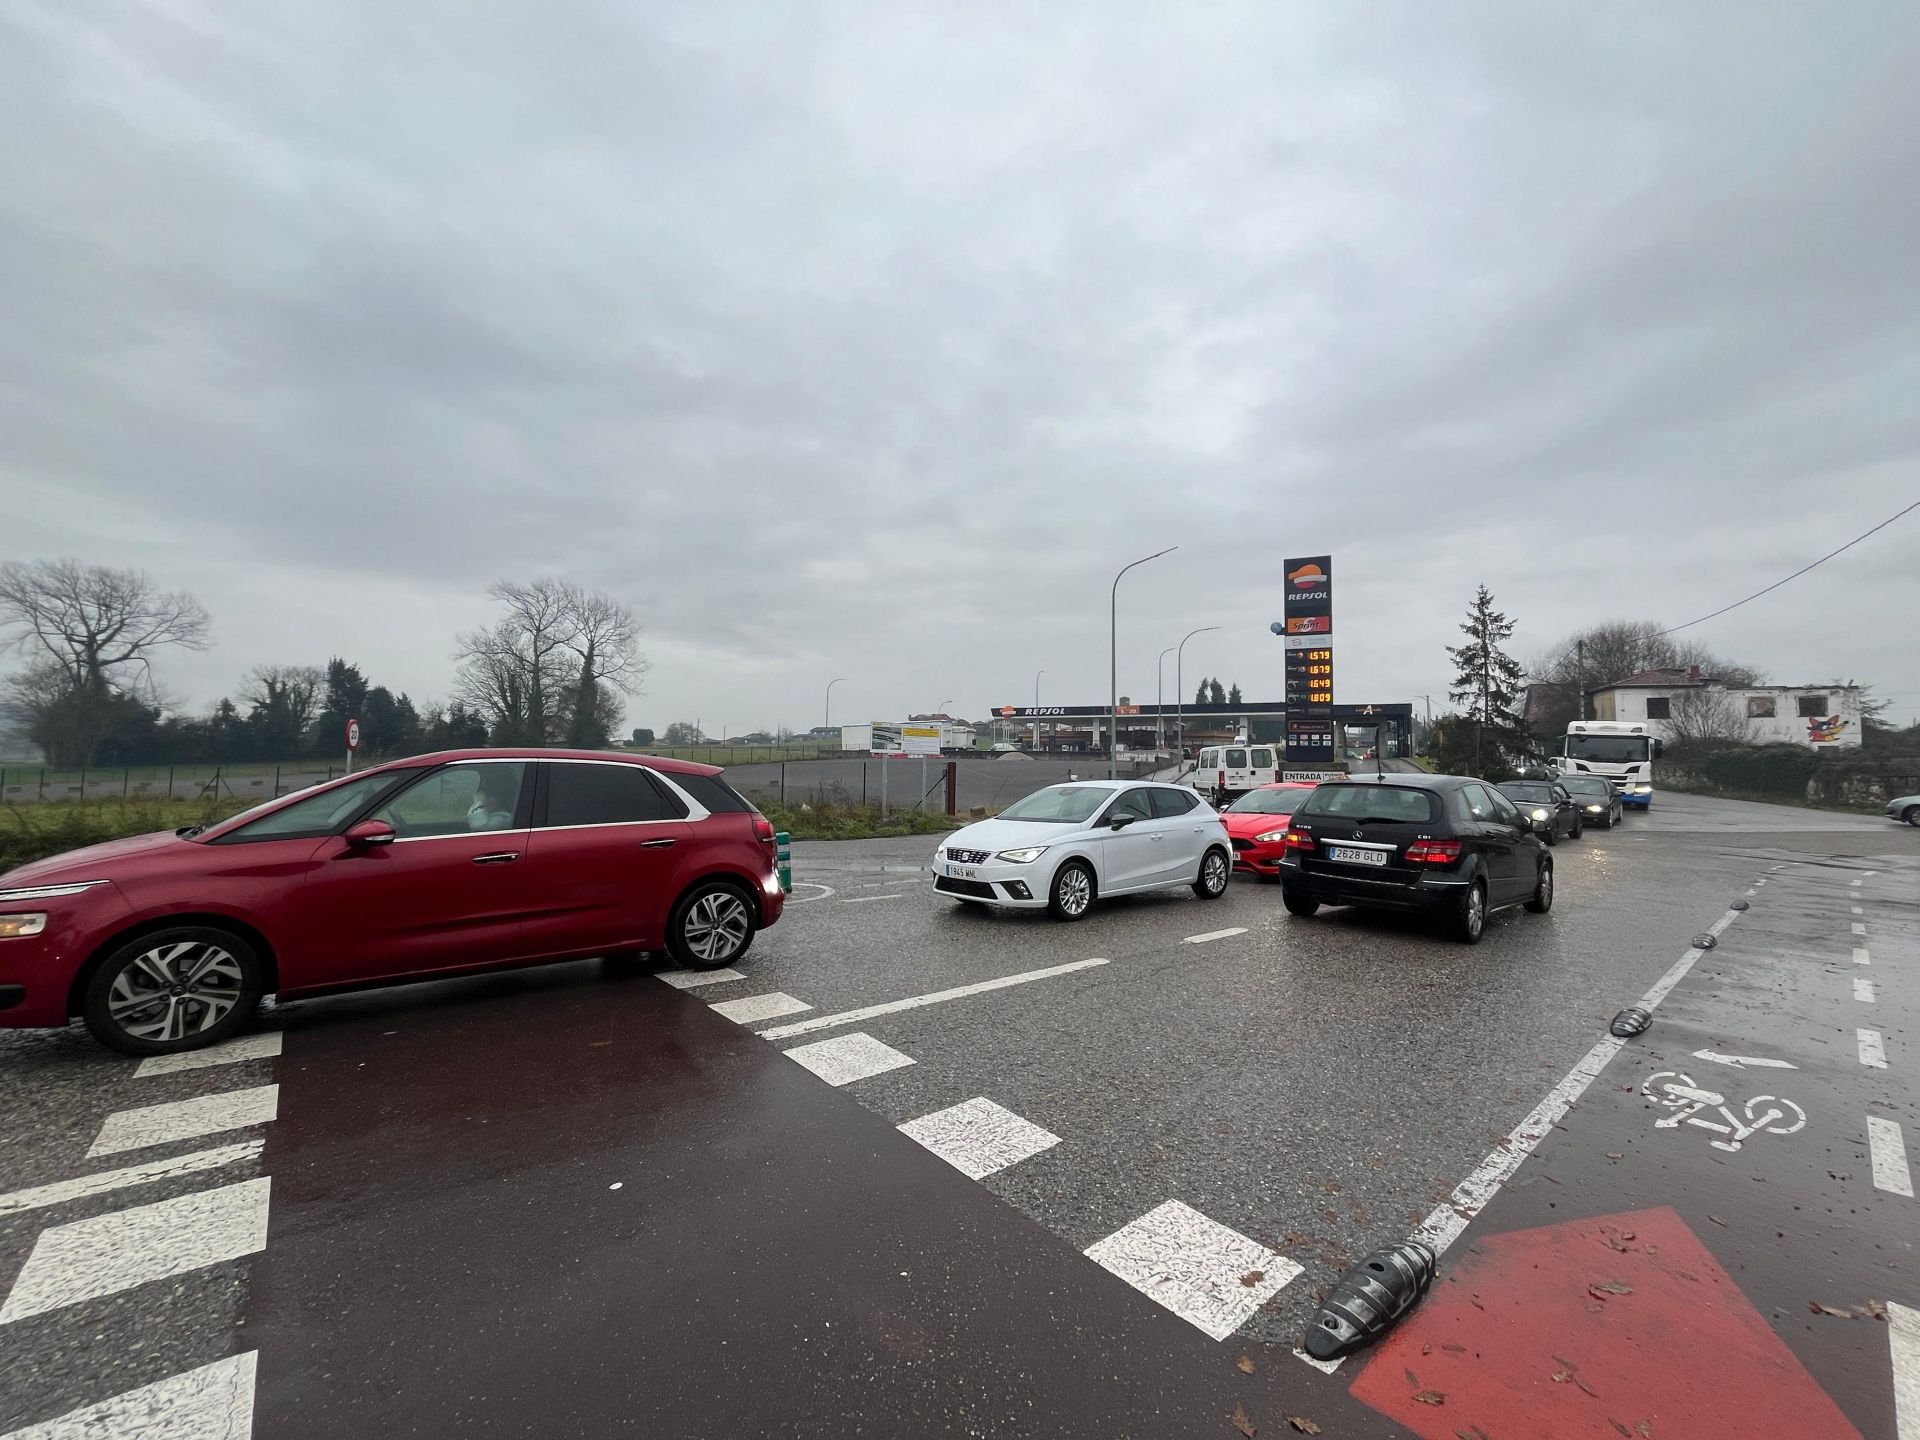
(369, 833)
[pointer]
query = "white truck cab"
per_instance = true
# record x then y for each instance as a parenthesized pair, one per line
(1621, 750)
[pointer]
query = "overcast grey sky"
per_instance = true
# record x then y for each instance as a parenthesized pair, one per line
(870, 340)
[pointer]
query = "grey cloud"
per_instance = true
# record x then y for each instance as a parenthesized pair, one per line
(875, 342)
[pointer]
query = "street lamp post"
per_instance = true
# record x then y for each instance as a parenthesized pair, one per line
(1113, 661)
(1180, 689)
(827, 723)
(1160, 698)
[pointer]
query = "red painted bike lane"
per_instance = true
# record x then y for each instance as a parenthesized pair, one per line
(1717, 1239)
(1710, 1242)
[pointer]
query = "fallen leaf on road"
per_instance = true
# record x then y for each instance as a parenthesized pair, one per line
(1836, 1175)
(1717, 1220)
(1253, 1278)
(1586, 1387)
(1245, 1426)
(1453, 1349)
(1608, 1287)
(1615, 1154)
(1413, 1380)
(1245, 1364)
(1475, 1301)
(1817, 1308)
(1628, 1234)
(1621, 1428)
(1560, 1377)
(1303, 1425)
(1565, 1364)
(1426, 1349)
(1876, 1308)
(1643, 1429)
(1430, 1397)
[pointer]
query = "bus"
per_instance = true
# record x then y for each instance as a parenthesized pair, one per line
(1621, 750)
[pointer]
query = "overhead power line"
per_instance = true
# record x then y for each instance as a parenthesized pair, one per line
(1796, 574)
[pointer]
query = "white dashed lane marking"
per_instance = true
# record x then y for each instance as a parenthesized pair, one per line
(1208, 1275)
(1860, 956)
(914, 1002)
(1889, 1146)
(186, 1119)
(263, 1046)
(214, 1402)
(867, 899)
(847, 1058)
(978, 1137)
(754, 1008)
(1860, 929)
(106, 1254)
(1863, 989)
(1903, 1339)
(61, 1191)
(1873, 1049)
(1214, 935)
(692, 979)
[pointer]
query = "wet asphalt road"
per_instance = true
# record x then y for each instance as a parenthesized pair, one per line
(443, 1253)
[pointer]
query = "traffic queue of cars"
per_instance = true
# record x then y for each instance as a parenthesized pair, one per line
(475, 860)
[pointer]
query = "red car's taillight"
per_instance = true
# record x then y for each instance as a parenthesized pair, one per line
(1299, 840)
(1433, 852)
(763, 830)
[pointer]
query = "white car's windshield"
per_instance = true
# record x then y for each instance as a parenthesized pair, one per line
(1061, 804)
(1607, 749)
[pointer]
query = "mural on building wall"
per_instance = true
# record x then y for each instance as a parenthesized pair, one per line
(1827, 731)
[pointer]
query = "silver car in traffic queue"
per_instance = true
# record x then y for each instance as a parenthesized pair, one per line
(1066, 846)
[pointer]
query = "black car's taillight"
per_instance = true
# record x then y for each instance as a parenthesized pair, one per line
(1433, 852)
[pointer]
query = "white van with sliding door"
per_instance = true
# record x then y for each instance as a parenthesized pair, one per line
(1225, 772)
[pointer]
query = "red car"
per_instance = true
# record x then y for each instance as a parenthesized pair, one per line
(1257, 825)
(467, 860)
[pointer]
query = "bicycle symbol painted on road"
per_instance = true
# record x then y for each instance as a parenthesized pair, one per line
(1765, 1114)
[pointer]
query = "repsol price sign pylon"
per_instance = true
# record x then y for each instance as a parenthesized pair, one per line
(1308, 624)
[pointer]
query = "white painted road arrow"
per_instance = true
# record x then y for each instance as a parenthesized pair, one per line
(1740, 1062)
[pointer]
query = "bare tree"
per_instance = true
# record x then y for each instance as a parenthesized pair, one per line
(284, 701)
(554, 667)
(100, 627)
(1595, 657)
(1707, 715)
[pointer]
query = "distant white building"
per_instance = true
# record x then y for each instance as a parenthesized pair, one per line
(1679, 704)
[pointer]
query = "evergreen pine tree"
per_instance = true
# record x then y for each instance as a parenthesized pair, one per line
(1487, 683)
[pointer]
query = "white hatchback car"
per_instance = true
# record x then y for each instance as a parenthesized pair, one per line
(1068, 845)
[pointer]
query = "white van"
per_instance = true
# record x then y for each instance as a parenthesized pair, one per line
(1224, 772)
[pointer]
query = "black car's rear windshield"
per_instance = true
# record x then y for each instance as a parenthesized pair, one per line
(1377, 803)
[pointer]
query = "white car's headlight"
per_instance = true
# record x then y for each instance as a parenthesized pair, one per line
(1539, 814)
(1271, 837)
(1021, 857)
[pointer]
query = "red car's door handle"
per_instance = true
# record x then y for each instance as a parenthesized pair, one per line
(499, 857)
(655, 844)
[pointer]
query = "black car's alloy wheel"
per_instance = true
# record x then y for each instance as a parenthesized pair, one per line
(1542, 900)
(1469, 920)
(172, 990)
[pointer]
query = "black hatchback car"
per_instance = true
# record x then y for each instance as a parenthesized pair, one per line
(1447, 844)
(1548, 806)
